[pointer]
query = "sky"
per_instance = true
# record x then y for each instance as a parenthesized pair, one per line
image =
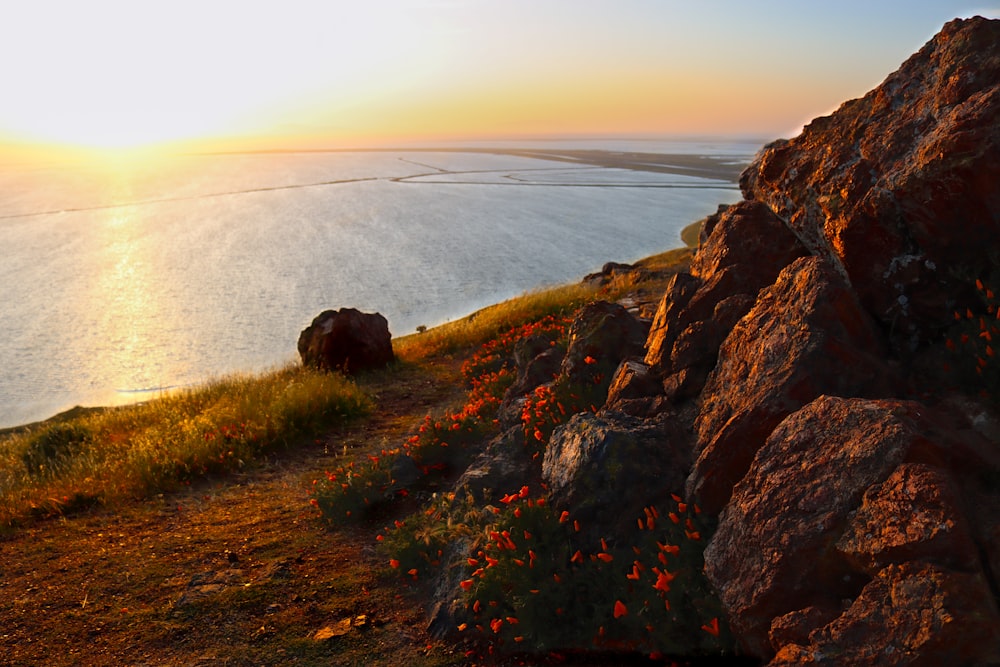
(254, 74)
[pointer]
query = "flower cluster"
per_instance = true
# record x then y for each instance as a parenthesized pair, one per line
(499, 352)
(529, 568)
(348, 492)
(552, 404)
(442, 444)
(972, 344)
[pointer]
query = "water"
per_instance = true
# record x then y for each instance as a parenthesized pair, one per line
(118, 282)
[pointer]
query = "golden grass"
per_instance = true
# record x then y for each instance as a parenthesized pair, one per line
(486, 324)
(104, 456)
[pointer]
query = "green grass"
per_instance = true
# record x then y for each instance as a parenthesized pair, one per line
(691, 234)
(105, 456)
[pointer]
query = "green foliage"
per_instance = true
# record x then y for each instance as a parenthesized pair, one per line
(443, 444)
(649, 596)
(351, 491)
(531, 582)
(553, 404)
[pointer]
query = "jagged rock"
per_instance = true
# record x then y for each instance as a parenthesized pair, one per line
(605, 468)
(604, 332)
(796, 626)
(632, 380)
(504, 465)
(342, 627)
(909, 614)
(774, 551)
(913, 515)
(747, 237)
(667, 323)
(536, 371)
(448, 608)
(346, 340)
(898, 188)
(805, 336)
(747, 248)
(607, 272)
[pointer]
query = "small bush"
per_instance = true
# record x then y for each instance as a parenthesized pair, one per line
(351, 492)
(53, 443)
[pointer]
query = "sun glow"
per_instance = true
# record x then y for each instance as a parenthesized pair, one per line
(119, 76)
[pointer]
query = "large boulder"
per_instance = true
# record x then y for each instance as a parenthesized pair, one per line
(605, 333)
(606, 468)
(909, 614)
(805, 336)
(898, 189)
(346, 340)
(774, 548)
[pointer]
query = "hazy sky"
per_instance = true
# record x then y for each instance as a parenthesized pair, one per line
(340, 74)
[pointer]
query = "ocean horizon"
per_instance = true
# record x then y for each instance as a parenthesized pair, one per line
(122, 281)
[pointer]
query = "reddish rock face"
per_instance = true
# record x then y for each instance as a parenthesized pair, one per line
(910, 614)
(805, 336)
(899, 188)
(749, 236)
(747, 247)
(913, 515)
(668, 323)
(773, 552)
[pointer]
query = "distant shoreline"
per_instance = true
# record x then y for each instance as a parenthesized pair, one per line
(683, 164)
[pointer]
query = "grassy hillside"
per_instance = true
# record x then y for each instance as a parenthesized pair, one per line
(89, 457)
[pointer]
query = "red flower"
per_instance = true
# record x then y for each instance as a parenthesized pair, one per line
(663, 579)
(620, 609)
(712, 627)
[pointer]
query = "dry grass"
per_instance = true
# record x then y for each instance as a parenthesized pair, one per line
(101, 457)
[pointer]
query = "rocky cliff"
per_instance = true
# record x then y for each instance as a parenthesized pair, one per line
(799, 383)
(855, 488)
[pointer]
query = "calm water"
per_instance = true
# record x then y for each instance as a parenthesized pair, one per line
(116, 282)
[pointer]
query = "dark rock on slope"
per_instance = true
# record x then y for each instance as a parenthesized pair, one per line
(346, 340)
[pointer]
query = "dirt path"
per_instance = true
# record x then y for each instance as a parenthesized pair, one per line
(235, 571)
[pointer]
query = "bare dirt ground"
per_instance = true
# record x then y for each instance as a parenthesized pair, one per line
(232, 571)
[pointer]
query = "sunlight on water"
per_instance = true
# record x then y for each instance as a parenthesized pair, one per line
(121, 281)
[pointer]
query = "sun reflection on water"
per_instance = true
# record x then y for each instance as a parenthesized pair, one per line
(131, 321)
